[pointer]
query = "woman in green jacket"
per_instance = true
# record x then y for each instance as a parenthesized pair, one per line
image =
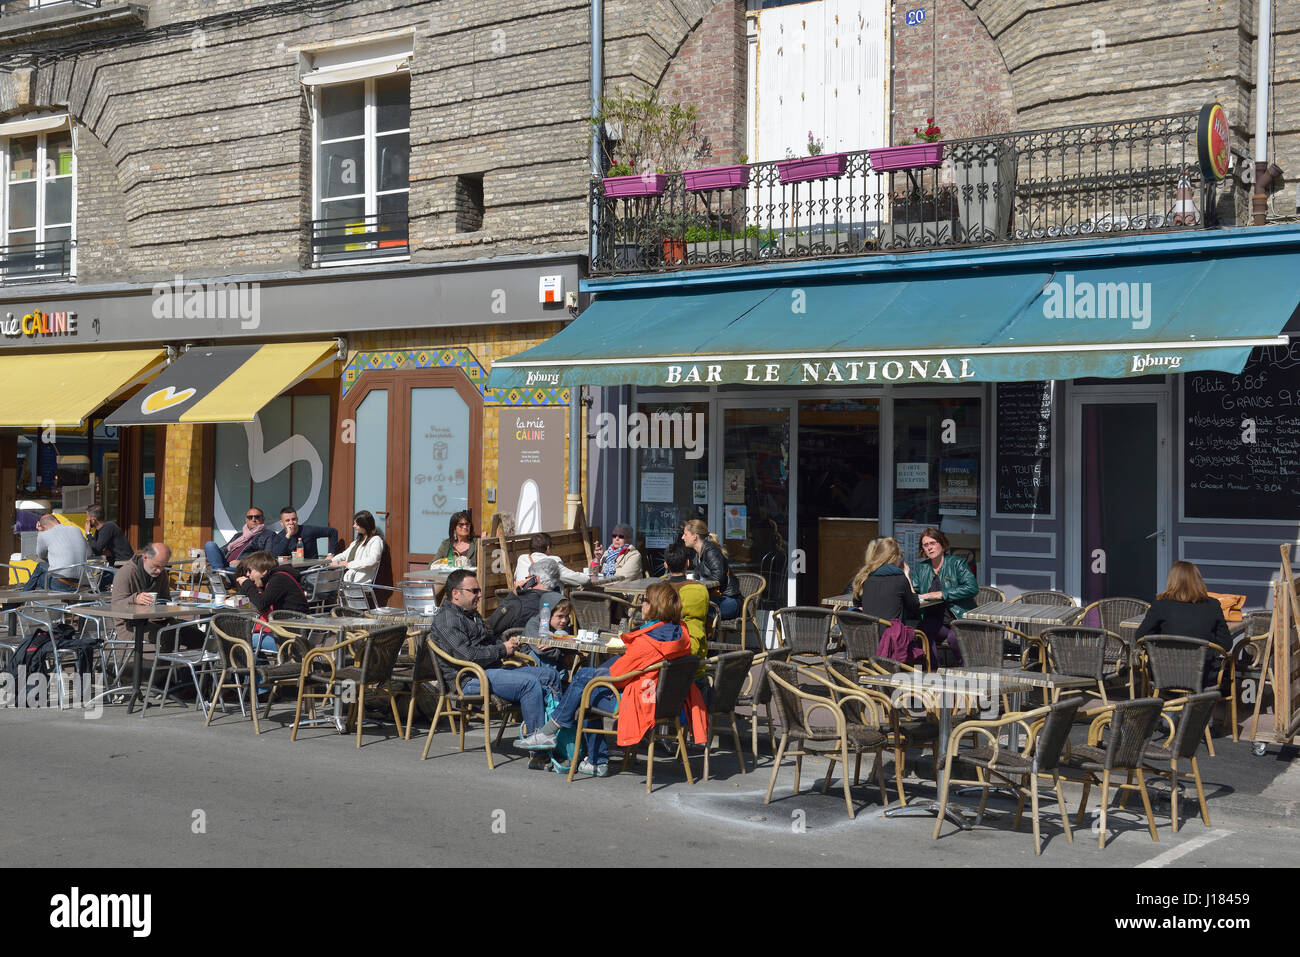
(947, 577)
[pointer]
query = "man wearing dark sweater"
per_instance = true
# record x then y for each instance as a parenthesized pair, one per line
(105, 538)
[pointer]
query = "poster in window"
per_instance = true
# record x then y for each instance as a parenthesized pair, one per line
(733, 486)
(958, 487)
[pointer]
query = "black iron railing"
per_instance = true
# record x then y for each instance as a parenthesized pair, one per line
(36, 262)
(352, 238)
(10, 7)
(1057, 184)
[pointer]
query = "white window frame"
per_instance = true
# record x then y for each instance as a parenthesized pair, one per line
(50, 125)
(370, 136)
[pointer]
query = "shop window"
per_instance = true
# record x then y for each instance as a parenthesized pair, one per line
(672, 471)
(363, 147)
(937, 473)
(39, 200)
(839, 492)
(280, 458)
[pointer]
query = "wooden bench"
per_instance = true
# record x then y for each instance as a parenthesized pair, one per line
(498, 553)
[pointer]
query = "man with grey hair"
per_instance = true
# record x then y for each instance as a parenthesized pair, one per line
(143, 580)
(515, 610)
(61, 550)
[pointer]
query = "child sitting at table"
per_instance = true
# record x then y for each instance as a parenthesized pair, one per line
(557, 658)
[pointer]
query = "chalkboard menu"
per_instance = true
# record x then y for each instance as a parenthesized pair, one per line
(1024, 448)
(1241, 439)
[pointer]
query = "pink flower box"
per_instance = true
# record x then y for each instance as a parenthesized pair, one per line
(825, 166)
(638, 184)
(716, 177)
(905, 157)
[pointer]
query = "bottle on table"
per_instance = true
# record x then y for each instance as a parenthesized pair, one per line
(544, 628)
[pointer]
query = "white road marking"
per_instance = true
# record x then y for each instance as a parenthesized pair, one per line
(1195, 844)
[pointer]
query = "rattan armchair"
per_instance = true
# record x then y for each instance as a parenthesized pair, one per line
(988, 594)
(1176, 664)
(906, 732)
(757, 693)
(806, 631)
(729, 672)
(411, 673)
(1248, 659)
(1194, 713)
(459, 708)
(233, 634)
(1047, 730)
(1131, 724)
(797, 731)
(321, 680)
(751, 593)
(1047, 597)
(1087, 653)
(595, 610)
(674, 684)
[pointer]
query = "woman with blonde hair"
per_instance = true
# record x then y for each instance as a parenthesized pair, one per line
(1185, 608)
(710, 562)
(883, 587)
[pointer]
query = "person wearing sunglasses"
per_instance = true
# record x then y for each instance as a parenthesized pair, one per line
(223, 558)
(621, 561)
(461, 632)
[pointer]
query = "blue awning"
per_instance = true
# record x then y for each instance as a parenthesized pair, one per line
(1027, 317)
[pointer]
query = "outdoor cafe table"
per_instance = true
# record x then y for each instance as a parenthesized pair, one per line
(438, 573)
(1031, 619)
(340, 626)
(154, 616)
(12, 598)
(1129, 626)
(845, 601)
(954, 686)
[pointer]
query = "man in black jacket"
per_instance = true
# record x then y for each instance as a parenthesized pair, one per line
(293, 536)
(460, 631)
(106, 541)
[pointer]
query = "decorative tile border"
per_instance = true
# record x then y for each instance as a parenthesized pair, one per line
(446, 357)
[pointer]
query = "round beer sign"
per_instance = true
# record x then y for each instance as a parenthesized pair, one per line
(1212, 142)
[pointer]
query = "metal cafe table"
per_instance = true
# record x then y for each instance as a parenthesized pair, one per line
(154, 616)
(636, 587)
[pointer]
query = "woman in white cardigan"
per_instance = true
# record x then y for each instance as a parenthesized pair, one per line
(363, 556)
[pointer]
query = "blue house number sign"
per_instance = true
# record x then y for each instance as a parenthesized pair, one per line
(915, 17)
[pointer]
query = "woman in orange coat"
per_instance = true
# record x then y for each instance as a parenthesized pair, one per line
(661, 638)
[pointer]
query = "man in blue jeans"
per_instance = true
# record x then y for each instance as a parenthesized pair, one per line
(460, 631)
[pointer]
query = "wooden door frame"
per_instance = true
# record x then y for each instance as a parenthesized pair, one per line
(130, 447)
(399, 383)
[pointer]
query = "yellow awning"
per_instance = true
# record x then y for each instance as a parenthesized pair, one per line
(270, 370)
(64, 388)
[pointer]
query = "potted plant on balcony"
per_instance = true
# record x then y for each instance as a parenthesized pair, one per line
(909, 155)
(717, 177)
(818, 164)
(642, 138)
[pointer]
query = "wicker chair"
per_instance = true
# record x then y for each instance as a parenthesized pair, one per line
(751, 593)
(988, 594)
(805, 631)
(1194, 713)
(1041, 756)
(1176, 664)
(1086, 653)
(233, 635)
(861, 634)
(859, 735)
(675, 680)
(730, 671)
(412, 672)
(1046, 598)
(459, 708)
(595, 610)
(982, 643)
(757, 693)
(321, 680)
(906, 733)
(1131, 724)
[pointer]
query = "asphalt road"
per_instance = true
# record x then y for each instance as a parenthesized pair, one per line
(123, 791)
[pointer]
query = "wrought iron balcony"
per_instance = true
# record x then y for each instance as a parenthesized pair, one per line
(1056, 184)
(345, 239)
(36, 262)
(11, 7)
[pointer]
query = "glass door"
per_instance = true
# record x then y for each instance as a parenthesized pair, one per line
(1120, 498)
(756, 486)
